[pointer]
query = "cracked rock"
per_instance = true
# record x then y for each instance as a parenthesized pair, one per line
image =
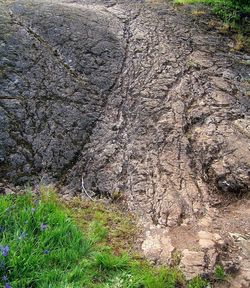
(128, 99)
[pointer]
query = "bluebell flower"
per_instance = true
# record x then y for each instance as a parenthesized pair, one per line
(5, 278)
(33, 210)
(1, 229)
(22, 235)
(7, 285)
(5, 250)
(43, 226)
(46, 251)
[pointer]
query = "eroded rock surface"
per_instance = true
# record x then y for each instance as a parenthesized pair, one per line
(57, 65)
(125, 97)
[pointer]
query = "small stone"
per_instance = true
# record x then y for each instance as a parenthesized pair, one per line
(157, 246)
(192, 263)
(206, 243)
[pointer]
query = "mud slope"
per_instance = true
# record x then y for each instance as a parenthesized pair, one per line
(132, 98)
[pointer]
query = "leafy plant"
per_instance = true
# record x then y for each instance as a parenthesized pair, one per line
(219, 273)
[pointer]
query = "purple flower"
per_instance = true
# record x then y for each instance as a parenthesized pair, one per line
(7, 285)
(43, 226)
(5, 250)
(46, 252)
(5, 278)
(22, 235)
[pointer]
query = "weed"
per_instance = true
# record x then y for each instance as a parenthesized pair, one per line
(197, 282)
(219, 273)
(108, 261)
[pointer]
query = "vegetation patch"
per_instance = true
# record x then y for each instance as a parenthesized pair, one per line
(118, 229)
(219, 273)
(235, 15)
(45, 243)
(234, 11)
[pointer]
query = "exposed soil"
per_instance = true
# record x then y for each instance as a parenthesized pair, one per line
(132, 98)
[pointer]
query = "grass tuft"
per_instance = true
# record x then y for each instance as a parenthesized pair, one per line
(197, 282)
(219, 273)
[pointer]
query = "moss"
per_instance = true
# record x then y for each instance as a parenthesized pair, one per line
(122, 227)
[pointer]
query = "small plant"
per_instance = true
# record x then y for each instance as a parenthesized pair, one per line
(197, 282)
(219, 273)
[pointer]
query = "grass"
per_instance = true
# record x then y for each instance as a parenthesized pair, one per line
(230, 11)
(197, 282)
(235, 15)
(219, 273)
(121, 231)
(46, 243)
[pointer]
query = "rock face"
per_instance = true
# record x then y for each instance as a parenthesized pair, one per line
(128, 97)
(134, 99)
(58, 64)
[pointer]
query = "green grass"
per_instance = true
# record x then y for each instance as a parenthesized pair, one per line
(197, 282)
(43, 242)
(231, 11)
(219, 273)
(41, 245)
(119, 228)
